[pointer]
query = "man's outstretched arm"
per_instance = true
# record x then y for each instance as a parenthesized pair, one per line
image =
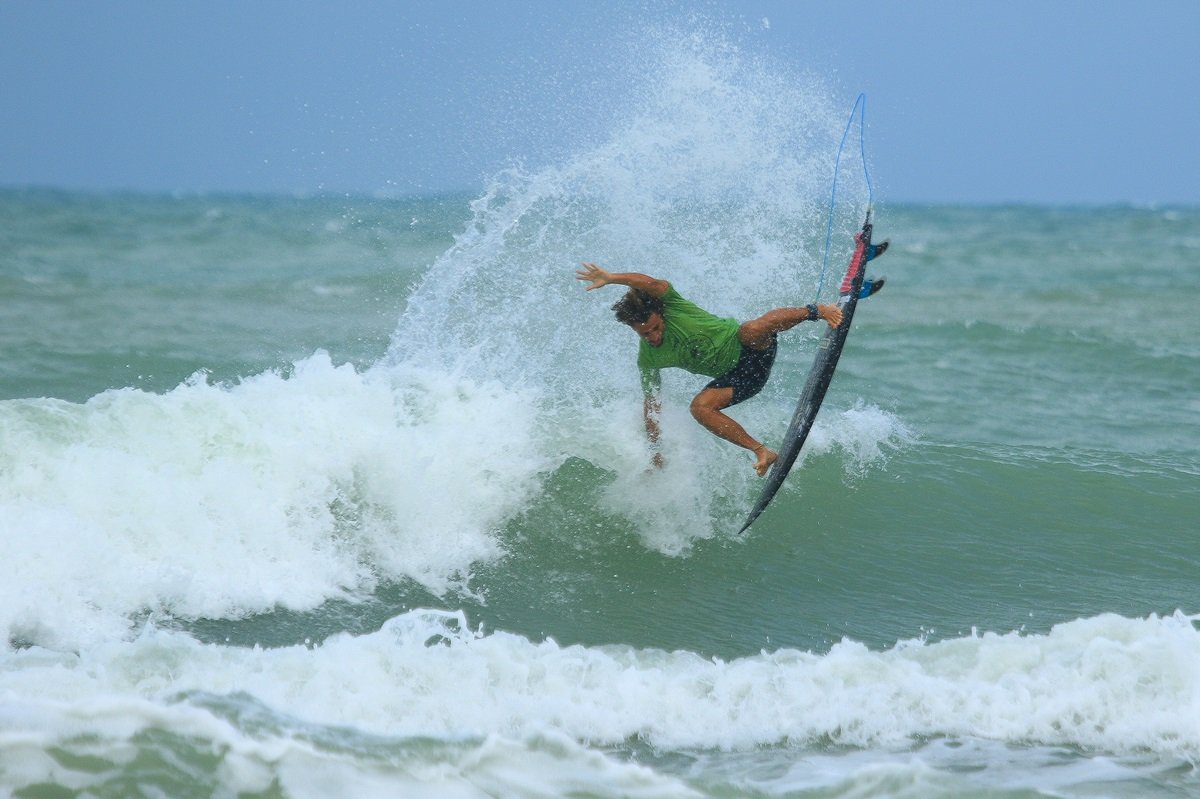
(635, 280)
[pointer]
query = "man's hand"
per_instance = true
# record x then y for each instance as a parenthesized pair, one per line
(594, 275)
(635, 280)
(832, 314)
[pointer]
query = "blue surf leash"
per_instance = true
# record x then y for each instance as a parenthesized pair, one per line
(860, 103)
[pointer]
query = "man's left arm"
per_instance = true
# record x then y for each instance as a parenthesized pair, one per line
(651, 410)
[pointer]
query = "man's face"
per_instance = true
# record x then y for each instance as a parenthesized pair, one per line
(651, 330)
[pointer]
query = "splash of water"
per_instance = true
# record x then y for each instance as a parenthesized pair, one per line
(716, 178)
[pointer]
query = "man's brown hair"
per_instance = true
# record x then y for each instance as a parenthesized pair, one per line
(636, 307)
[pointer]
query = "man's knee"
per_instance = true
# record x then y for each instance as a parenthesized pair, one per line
(709, 401)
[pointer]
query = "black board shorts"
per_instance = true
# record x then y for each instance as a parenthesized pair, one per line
(750, 373)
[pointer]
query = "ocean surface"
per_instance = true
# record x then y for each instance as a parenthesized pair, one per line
(348, 496)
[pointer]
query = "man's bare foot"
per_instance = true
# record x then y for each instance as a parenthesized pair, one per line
(765, 458)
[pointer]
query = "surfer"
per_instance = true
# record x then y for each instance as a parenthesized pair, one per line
(676, 332)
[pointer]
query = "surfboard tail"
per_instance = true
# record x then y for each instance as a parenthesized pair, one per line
(856, 271)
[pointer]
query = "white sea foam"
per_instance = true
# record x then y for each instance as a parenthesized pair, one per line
(1108, 683)
(219, 501)
(83, 748)
(865, 433)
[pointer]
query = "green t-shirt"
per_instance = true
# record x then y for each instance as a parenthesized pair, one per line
(693, 339)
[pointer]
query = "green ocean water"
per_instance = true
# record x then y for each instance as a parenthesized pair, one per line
(998, 507)
(312, 496)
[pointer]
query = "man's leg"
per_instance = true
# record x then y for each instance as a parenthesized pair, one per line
(757, 332)
(707, 407)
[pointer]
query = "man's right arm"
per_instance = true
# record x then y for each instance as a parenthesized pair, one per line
(598, 277)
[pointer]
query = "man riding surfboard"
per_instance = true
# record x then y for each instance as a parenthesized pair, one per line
(677, 333)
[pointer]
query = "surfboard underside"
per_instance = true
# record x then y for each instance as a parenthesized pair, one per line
(819, 376)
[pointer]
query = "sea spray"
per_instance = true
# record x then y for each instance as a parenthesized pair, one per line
(718, 180)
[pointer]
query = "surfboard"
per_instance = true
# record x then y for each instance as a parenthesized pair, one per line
(824, 365)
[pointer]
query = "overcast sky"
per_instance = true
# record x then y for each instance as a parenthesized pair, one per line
(1015, 101)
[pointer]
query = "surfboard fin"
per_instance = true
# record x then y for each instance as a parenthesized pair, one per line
(876, 250)
(871, 286)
